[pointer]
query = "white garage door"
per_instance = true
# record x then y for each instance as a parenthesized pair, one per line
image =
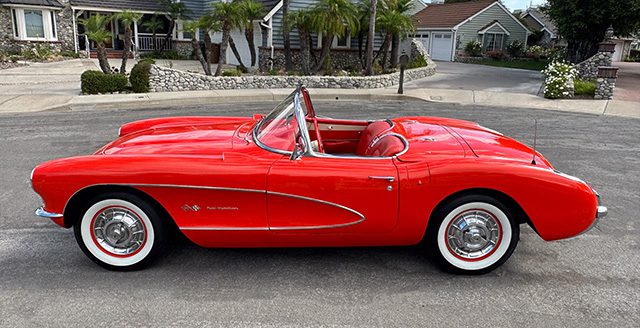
(441, 46)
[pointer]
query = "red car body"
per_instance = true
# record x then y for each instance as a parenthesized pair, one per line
(222, 189)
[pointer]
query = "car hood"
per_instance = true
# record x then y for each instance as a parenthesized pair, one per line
(195, 137)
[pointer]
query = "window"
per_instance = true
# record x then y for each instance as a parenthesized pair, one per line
(338, 41)
(34, 24)
(493, 41)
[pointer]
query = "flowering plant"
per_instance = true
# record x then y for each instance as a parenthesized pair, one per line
(559, 76)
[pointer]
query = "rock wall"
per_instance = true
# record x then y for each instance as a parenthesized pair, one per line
(605, 88)
(588, 69)
(166, 79)
(345, 59)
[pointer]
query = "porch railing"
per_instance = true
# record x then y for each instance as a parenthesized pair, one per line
(149, 43)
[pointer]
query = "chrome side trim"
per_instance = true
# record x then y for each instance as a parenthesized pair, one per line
(47, 215)
(224, 229)
(318, 201)
(318, 227)
(602, 212)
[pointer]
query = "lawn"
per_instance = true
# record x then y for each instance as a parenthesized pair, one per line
(534, 65)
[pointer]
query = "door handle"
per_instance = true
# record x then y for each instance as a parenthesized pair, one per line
(390, 179)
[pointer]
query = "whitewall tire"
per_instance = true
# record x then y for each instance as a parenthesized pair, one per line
(473, 235)
(119, 231)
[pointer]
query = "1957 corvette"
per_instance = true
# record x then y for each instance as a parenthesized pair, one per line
(297, 179)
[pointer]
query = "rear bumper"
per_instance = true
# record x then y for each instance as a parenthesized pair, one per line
(601, 212)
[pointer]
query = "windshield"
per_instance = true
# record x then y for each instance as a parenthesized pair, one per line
(277, 131)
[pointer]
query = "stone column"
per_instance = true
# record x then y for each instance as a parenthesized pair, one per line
(606, 82)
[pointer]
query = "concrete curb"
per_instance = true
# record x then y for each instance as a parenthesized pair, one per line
(36, 103)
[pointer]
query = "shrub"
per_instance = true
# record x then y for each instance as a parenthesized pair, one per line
(170, 54)
(535, 52)
(70, 54)
(417, 62)
(559, 77)
(139, 77)
(95, 82)
(147, 61)
(473, 48)
(584, 87)
(515, 49)
(496, 54)
(231, 72)
(38, 52)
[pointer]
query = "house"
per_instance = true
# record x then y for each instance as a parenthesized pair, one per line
(445, 29)
(539, 21)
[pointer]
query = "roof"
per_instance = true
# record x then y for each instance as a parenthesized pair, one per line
(448, 15)
(143, 5)
(541, 18)
(44, 3)
(269, 4)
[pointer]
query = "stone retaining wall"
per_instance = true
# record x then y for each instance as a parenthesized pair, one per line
(167, 79)
(588, 69)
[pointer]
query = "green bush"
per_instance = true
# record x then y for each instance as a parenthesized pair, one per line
(535, 52)
(170, 54)
(515, 49)
(584, 87)
(95, 82)
(70, 54)
(147, 61)
(417, 62)
(473, 48)
(231, 72)
(496, 54)
(558, 76)
(139, 77)
(38, 52)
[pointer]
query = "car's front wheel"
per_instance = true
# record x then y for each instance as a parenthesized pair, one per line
(473, 234)
(120, 231)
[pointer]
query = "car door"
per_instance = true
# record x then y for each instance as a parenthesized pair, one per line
(328, 194)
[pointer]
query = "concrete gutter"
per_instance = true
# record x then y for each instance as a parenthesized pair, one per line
(35, 103)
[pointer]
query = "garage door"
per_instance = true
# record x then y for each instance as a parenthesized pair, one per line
(441, 46)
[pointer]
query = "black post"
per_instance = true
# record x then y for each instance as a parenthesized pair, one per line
(404, 60)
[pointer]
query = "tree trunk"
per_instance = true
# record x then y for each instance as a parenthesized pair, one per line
(127, 50)
(248, 34)
(155, 42)
(167, 38)
(305, 55)
(326, 48)
(384, 49)
(234, 49)
(207, 50)
(102, 58)
(371, 38)
(286, 30)
(578, 51)
(360, 50)
(223, 49)
(395, 49)
(196, 48)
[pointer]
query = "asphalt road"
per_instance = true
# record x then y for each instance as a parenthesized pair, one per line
(589, 281)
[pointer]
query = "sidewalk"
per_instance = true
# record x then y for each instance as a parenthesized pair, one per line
(35, 103)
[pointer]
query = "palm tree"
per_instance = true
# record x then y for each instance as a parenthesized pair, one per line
(371, 37)
(229, 16)
(153, 25)
(176, 11)
(127, 18)
(303, 22)
(333, 18)
(192, 27)
(394, 20)
(208, 24)
(286, 31)
(251, 10)
(96, 30)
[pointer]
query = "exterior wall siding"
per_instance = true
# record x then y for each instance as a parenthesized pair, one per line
(469, 31)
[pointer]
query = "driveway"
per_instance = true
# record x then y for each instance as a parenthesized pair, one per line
(628, 83)
(451, 75)
(588, 281)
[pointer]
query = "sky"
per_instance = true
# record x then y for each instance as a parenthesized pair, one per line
(521, 4)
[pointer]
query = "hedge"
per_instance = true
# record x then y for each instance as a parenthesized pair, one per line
(95, 82)
(139, 77)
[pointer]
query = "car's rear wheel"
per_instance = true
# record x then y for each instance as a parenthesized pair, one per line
(120, 231)
(473, 234)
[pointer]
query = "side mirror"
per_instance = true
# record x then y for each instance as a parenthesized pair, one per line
(297, 152)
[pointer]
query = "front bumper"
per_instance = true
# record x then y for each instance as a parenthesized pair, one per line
(47, 215)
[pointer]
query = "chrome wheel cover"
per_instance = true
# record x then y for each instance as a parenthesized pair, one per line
(118, 231)
(473, 235)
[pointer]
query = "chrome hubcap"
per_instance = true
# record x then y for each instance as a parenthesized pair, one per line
(473, 234)
(118, 231)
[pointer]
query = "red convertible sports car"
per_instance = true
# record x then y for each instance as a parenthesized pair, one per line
(296, 179)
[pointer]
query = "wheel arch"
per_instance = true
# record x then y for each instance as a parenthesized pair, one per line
(505, 199)
(73, 208)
